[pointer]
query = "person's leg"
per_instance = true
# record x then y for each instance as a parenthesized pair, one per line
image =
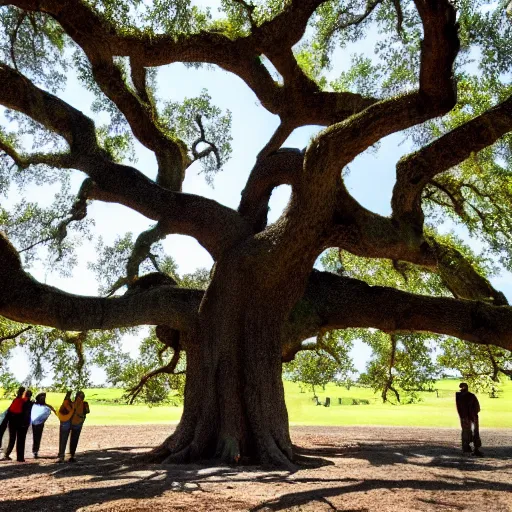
(63, 438)
(20, 443)
(13, 427)
(466, 435)
(477, 442)
(3, 428)
(37, 434)
(75, 436)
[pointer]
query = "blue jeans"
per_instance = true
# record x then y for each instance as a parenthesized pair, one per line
(65, 428)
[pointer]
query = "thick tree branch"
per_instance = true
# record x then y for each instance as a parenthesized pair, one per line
(213, 225)
(416, 170)
(142, 117)
(25, 300)
(321, 197)
(299, 100)
(335, 302)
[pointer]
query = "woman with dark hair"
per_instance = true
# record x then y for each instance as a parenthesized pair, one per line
(39, 414)
(18, 428)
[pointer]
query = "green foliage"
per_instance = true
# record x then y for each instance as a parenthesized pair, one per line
(400, 365)
(199, 279)
(379, 272)
(110, 265)
(9, 385)
(163, 388)
(362, 77)
(203, 128)
(480, 365)
(27, 39)
(326, 360)
(32, 228)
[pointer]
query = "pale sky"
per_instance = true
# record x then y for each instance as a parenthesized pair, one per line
(370, 180)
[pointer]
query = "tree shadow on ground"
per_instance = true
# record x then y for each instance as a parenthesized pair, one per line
(109, 475)
(442, 454)
(353, 485)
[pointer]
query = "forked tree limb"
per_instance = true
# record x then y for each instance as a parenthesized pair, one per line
(416, 170)
(211, 223)
(166, 369)
(240, 56)
(142, 117)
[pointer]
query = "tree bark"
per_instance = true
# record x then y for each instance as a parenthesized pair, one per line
(234, 405)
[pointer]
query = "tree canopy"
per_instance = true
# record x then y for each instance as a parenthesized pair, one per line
(439, 75)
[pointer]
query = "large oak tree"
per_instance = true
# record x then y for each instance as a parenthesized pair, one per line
(264, 298)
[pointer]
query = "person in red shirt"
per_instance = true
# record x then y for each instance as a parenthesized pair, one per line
(18, 425)
(15, 407)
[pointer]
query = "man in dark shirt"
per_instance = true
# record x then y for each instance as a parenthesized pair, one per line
(468, 409)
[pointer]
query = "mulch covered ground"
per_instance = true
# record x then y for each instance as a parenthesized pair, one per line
(351, 469)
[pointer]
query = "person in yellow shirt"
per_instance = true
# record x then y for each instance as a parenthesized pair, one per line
(72, 416)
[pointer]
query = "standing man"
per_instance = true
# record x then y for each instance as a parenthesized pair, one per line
(468, 409)
(72, 416)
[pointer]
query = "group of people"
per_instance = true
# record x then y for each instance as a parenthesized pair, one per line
(24, 412)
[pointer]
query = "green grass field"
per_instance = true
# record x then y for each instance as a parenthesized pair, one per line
(431, 412)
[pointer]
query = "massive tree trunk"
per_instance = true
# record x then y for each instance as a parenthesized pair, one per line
(234, 398)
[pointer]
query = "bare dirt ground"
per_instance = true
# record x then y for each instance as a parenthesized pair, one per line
(351, 469)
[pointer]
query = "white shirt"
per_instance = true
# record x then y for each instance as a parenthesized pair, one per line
(39, 414)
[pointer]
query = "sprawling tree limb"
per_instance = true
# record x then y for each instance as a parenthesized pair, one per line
(336, 302)
(142, 117)
(25, 300)
(300, 99)
(320, 195)
(436, 94)
(416, 170)
(213, 225)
